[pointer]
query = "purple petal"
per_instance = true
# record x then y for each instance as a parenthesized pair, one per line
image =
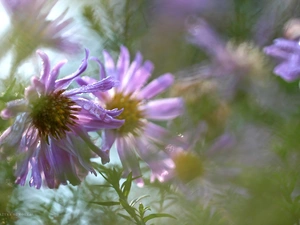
(46, 66)
(108, 138)
(109, 64)
(164, 109)
(123, 63)
(94, 109)
(289, 71)
(156, 86)
(129, 159)
(13, 134)
(36, 179)
(50, 84)
(161, 135)
(102, 73)
(139, 78)
(102, 85)
(225, 141)
(84, 135)
(65, 82)
(13, 108)
(132, 69)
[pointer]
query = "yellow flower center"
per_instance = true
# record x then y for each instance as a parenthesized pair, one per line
(53, 114)
(131, 113)
(188, 166)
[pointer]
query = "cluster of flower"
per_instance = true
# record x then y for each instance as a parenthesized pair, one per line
(50, 131)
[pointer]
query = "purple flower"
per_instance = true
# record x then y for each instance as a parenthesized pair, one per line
(48, 131)
(32, 29)
(287, 52)
(138, 137)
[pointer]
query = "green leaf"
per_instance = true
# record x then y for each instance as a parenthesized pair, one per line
(106, 203)
(134, 201)
(125, 217)
(157, 215)
(126, 186)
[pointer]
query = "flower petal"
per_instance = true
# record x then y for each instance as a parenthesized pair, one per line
(13, 108)
(123, 63)
(164, 109)
(108, 139)
(50, 84)
(129, 159)
(139, 78)
(163, 136)
(102, 85)
(156, 86)
(109, 64)
(135, 65)
(65, 82)
(46, 66)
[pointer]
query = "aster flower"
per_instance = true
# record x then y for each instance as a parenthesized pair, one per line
(138, 137)
(287, 52)
(31, 29)
(48, 133)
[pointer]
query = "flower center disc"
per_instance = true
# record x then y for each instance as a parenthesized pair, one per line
(188, 166)
(52, 114)
(131, 113)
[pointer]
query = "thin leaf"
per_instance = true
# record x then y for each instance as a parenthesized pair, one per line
(106, 203)
(157, 215)
(134, 201)
(125, 217)
(126, 186)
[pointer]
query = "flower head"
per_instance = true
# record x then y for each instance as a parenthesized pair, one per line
(138, 137)
(287, 52)
(32, 29)
(48, 130)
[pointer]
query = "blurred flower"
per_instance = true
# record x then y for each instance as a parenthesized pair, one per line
(138, 134)
(48, 132)
(234, 64)
(287, 52)
(199, 169)
(31, 29)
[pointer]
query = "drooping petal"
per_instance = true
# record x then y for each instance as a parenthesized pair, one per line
(102, 72)
(13, 108)
(156, 86)
(129, 159)
(36, 179)
(66, 81)
(158, 161)
(163, 109)
(163, 136)
(85, 137)
(12, 135)
(108, 138)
